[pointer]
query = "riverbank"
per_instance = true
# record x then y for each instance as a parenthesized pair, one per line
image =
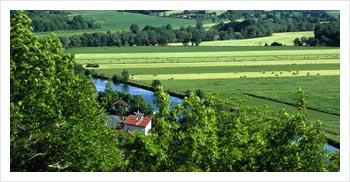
(330, 141)
(180, 95)
(177, 94)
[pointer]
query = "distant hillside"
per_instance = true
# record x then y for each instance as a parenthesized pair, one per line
(117, 21)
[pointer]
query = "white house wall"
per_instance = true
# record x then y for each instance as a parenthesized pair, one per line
(133, 128)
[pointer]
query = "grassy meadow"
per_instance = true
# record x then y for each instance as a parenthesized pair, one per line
(225, 71)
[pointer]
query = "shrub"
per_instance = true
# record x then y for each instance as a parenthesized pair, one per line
(92, 65)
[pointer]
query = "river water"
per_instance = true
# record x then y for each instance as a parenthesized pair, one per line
(149, 97)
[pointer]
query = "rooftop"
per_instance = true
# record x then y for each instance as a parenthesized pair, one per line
(138, 120)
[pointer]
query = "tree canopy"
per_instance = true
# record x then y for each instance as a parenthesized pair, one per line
(55, 123)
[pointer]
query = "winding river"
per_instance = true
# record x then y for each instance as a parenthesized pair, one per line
(149, 96)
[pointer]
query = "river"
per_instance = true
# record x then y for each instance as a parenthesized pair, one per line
(149, 97)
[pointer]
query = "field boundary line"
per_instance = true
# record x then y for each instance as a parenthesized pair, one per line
(288, 103)
(221, 63)
(236, 75)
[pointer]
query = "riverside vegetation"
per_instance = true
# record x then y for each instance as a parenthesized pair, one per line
(56, 124)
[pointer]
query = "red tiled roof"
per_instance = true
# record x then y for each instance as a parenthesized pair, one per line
(142, 122)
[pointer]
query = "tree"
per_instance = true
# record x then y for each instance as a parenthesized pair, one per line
(328, 33)
(125, 76)
(155, 84)
(116, 78)
(196, 148)
(134, 28)
(297, 42)
(55, 123)
(276, 44)
(200, 93)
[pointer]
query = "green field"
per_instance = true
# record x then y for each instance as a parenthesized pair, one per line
(271, 72)
(169, 49)
(285, 38)
(118, 21)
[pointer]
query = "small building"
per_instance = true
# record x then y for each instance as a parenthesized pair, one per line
(120, 107)
(114, 121)
(120, 102)
(138, 122)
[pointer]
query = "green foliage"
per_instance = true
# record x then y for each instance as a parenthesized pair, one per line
(43, 21)
(276, 44)
(125, 76)
(92, 65)
(199, 93)
(56, 126)
(122, 104)
(116, 78)
(155, 84)
(328, 33)
(55, 123)
(226, 135)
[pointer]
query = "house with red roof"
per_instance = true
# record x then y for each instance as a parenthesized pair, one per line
(138, 122)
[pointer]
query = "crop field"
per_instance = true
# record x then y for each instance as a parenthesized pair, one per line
(206, 54)
(272, 74)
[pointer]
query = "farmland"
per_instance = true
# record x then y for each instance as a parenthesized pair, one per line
(285, 38)
(269, 72)
(119, 21)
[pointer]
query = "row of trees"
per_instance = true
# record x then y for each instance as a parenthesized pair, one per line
(56, 124)
(325, 34)
(303, 41)
(148, 36)
(263, 23)
(53, 20)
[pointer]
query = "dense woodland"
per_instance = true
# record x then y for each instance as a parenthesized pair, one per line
(53, 20)
(56, 124)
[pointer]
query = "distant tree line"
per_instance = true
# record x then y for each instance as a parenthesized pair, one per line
(148, 36)
(264, 23)
(256, 24)
(327, 34)
(52, 20)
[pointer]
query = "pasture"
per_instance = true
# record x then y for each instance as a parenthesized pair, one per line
(270, 72)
